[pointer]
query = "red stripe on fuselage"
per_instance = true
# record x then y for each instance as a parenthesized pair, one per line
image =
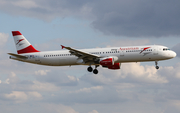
(15, 33)
(29, 49)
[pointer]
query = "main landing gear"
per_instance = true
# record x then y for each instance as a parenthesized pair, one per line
(90, 69)
(156, 63)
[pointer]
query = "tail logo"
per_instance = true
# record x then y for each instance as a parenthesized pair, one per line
(18, 41)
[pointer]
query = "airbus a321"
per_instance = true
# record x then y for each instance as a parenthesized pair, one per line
(110, 58)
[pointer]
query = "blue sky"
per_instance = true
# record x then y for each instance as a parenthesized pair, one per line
(136, 87)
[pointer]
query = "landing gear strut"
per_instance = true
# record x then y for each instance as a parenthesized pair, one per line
(156, 63)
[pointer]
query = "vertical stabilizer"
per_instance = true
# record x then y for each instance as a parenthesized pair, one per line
(22, 45)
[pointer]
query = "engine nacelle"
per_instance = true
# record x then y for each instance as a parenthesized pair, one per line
(107, 61)
(115, 66)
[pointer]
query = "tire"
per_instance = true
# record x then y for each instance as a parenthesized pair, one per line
(95, 71)
(90, 69)
(157, 67)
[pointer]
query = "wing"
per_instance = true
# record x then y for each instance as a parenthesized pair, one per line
(87, 57)
(18, 56)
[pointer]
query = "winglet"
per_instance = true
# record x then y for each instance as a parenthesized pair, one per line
(62, 46)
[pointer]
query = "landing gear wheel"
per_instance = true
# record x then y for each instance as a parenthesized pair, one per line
(157, 67)
(90, 69)
(95, 71)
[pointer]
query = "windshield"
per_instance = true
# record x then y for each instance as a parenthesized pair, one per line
(165, 49)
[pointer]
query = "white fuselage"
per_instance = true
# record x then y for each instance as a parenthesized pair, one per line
(123, 55)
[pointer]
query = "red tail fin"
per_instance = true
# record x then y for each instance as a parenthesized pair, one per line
(22, 45)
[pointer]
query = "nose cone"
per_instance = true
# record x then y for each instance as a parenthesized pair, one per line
(170, 54)
(173, 54)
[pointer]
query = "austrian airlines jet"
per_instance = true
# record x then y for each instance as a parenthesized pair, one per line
(110, 58)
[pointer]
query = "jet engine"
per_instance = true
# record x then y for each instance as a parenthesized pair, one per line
(108, 62)
(115, 66)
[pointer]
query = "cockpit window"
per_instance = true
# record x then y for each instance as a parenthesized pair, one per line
(165, 49)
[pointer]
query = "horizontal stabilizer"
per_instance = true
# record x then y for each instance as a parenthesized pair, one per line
(18, 56)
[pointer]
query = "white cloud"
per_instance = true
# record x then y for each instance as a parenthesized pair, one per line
(7, 81)
(17, 96)
(34, 95)
(3, 47)
(42, 72)
(20, 96)
(122, 86)
(144, 74)
(175, 103)
(37, 107)
(58, 108)
(16, 83)
(93, 111)
(60, 79)
(3, 37)
(132, 84)
(38, 86)
(24, 4)
(12, 78)
(72, 78)
(129, 72)
(88, 90)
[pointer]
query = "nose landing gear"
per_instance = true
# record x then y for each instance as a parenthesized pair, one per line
(156, 63)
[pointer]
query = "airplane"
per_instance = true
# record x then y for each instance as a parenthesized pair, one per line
(110, 58)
